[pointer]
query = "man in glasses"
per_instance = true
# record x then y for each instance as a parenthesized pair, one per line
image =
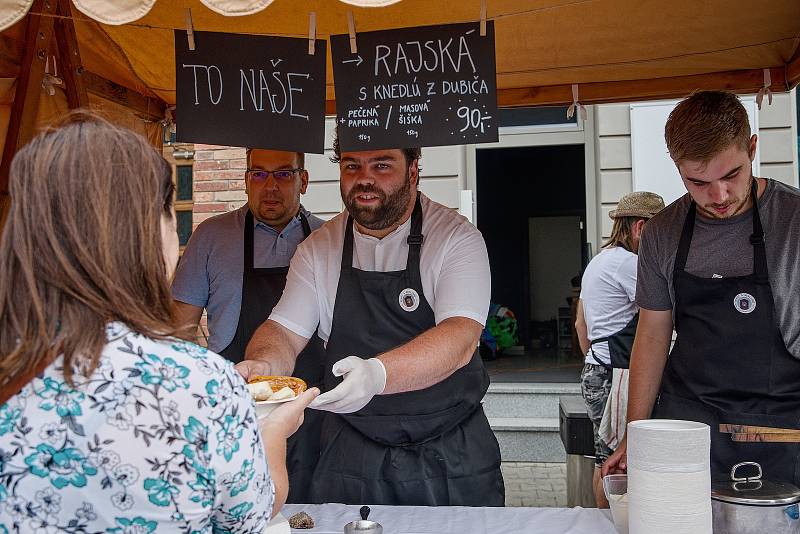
(235, 266)
(398, 286)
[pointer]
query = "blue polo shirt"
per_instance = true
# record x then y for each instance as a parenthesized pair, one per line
(209, 274)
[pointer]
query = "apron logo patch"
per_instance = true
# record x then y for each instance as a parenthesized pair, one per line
(409, 299)
(744, 303)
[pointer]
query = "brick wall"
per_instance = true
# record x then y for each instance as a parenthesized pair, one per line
(218, 180)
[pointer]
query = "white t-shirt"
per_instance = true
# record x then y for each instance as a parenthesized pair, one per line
(454, 267)
(608, 292)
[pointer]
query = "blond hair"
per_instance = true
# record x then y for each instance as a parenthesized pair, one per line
(622, 233)
(706, 124)
(82, 245)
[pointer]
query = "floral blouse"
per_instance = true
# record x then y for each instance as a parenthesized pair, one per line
(162, 437)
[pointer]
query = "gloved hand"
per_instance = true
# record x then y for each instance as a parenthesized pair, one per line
(363, 379)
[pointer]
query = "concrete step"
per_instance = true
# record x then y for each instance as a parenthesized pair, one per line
(528, 439)
(506, 399)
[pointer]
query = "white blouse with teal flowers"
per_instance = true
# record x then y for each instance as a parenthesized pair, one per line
(162, 437)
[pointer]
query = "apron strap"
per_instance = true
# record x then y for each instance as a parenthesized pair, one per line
(686, 238)
(415, 239)
(249, 236)
(304, 223)
(248, 241)
(594, 356)
(757, 239)
(347, 246)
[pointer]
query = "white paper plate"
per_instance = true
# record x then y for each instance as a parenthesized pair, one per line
(278, 525)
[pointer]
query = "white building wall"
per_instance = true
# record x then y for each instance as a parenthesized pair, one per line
(445, 169)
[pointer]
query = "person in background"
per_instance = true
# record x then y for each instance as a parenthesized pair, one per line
(607, 315)
(720, 265)
(399, 286)
(235, 266)
(108, 422)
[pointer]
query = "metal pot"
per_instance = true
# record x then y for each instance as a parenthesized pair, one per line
(752, 505)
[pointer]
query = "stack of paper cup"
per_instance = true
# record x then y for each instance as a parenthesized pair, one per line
(669, 477)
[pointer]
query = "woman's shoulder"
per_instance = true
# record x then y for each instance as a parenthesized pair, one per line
(172, 359)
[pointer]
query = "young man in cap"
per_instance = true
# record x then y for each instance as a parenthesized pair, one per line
(720, 265)
(607, 314)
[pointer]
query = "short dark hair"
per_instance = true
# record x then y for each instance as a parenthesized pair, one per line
(411, 154)
(301, 157)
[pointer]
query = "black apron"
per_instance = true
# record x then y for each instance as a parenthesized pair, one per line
(620, 345)
(729, 363)
(261, 290)
(428, 447)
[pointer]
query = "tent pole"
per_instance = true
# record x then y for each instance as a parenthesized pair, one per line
(70, 57)
(25, 107)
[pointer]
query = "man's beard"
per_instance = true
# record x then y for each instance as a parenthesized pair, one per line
(708, 209)
(391, 209)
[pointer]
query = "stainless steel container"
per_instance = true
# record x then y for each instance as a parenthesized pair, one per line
(752, 505)
(364, 526)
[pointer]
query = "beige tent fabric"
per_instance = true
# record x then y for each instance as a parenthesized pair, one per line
(539, 43)
(12, 11)
(114, 11)
(616, 50)
(236, 8)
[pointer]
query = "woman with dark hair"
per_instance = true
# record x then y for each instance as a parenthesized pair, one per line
(108, 422)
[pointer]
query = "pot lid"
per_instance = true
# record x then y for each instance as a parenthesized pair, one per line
(752, 489)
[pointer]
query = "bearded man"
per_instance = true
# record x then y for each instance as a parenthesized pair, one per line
(399, 286)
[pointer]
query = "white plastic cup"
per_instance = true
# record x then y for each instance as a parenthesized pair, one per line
(616, 489)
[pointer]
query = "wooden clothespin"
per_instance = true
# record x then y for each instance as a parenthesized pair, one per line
(765, 90)
(312, 32)
(189, 28)
(351, 27)
(576, 105)
(483, 18)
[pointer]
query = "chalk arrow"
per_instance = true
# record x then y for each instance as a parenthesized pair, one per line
(274, 62)
(357, 60)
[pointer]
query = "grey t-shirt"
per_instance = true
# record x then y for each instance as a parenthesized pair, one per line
(722, 247)
(209, 274)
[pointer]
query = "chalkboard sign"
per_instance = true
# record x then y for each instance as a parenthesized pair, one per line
(421, 86)
(251, 91)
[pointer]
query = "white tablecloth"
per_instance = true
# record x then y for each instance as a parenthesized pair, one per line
(331, 518)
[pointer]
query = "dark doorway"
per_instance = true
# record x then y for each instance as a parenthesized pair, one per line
(523, 193)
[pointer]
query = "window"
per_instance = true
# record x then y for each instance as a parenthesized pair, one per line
(183, 201)
(182, 159)
(536, 116)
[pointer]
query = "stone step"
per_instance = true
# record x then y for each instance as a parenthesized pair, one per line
(528, 439)
(536, 400)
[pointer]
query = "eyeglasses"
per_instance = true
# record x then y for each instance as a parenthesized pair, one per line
(282, 175)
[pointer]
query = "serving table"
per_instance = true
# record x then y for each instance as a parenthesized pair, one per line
(331, 518)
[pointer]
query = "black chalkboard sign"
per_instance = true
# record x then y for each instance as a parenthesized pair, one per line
(421, 86)
(251, 91)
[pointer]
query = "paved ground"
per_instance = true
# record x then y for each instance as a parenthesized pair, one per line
(535, 484)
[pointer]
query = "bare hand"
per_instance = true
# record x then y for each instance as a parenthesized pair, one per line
(617, 463)
(251, 368)
(287, 418)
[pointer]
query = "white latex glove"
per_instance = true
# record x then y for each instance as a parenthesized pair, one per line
(363, 379)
